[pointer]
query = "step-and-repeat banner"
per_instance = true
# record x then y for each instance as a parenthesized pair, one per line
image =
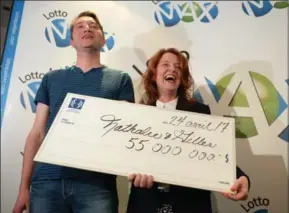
(238, 58)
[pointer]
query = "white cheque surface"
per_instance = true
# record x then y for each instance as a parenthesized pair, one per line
(120, 138)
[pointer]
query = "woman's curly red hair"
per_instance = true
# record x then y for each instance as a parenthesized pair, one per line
(150, 95)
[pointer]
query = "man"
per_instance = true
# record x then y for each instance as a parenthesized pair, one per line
(57, 189)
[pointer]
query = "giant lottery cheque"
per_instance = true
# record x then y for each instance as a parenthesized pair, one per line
(120, 138)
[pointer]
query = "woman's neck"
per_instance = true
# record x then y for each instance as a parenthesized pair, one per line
(167, 96)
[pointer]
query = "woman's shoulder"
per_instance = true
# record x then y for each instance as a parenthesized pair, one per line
(199, 107)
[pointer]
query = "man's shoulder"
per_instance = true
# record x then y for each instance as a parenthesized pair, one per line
(115, 73)
(56, 73)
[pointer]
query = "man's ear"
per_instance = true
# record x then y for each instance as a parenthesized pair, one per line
(103, 39)
(71, 42)
(71, 36)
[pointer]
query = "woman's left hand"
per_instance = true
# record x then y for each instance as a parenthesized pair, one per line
(241, 187)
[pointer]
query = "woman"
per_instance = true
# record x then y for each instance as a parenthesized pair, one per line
(167, 83)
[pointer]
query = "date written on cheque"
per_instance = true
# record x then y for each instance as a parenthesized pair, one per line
(209, 126)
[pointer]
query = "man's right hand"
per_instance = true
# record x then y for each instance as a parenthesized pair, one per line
(22, 201)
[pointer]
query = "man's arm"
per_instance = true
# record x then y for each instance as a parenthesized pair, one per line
(126, 91)
(33, 142)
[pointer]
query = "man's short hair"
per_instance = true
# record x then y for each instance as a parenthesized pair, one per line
(88, 14)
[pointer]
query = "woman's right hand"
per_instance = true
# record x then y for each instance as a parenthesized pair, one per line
(141, 180)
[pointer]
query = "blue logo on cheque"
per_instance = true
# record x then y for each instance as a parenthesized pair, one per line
(76, 103)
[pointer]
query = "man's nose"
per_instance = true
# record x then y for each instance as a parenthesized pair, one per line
(87, 27)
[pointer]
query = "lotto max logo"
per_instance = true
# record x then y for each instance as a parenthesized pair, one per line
(265, 96)
(58, 31)
(170, 13)
(76, 103)
(109, 42)
(259, 8)
(27, 96)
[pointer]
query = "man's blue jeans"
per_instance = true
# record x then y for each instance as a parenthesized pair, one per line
(72, 196)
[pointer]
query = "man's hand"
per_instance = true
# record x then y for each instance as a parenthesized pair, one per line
(22, 201)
